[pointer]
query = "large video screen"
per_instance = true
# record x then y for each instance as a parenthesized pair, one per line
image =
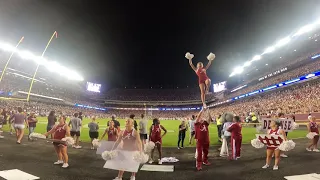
(221, 86)
(93, 87)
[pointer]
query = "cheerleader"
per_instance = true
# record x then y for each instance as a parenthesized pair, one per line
(111, 131)
(204, 80)
(275, 130)
(156, 137)
(202, 136)
(60, 131)
(313, 128)
(131, 142)
(236, 137)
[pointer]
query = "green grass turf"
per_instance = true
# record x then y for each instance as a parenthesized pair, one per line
(170, 140)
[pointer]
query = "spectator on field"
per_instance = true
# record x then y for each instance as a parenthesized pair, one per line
(19, 119)
(143, 129)
(52, 119)
(75, 123)
(135, 124)
(115, 122)
(219, 127)
(93, 130)
(32, 121)
(182, 134)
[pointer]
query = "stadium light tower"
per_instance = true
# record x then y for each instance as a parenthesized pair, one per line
(55, 34)
(12, 53)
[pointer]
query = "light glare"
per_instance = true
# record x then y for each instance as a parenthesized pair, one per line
(256, 58)
(283, 42)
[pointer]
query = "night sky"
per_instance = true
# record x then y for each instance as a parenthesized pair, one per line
(143, 43)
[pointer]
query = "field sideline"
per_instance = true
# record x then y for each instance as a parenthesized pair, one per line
(170, 140)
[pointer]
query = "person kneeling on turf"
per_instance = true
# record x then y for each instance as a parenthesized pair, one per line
(202, 136)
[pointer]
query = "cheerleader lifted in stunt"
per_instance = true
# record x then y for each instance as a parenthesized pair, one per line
(204, 80)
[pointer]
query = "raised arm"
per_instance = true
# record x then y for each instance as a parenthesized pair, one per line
(208, 65)
(192, 66)
(199, 116)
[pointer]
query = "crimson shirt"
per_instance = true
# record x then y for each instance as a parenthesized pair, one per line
(202, 131)
(129, 140)
(235, 130)
(59, 132)
(112, 134)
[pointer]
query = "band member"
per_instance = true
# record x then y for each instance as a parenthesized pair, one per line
(236, 137)
(112, 132)
(202, 137)
(131, 142)
(313, 127)
(204, 80)
(275, 130)
(60, 131)
(156, 137)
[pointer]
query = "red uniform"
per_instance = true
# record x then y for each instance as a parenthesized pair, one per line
(129, 140)
(202, 136)
(59, 133)
(202, 74)
(112, 134)
(156, 134)
(236, 139)
(314, 127)
(273, 132)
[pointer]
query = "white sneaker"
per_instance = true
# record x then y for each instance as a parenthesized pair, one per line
(65, 165)
(316, 150)
(265, 166)
(78, 147)
(308, 149)
(283, 155)
(275, 168)
(150, 161)
(132, 178)
(1, 137)
(58, 162)
(159, 161)
(117, 178)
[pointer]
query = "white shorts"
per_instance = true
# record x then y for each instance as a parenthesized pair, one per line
(19, 126)
(0, 126)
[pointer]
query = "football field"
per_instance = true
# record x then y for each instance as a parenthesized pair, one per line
(171, 138)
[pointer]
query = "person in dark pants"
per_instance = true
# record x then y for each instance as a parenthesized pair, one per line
(116, 123)
(219, 127)
(135, 124)
(182, 134)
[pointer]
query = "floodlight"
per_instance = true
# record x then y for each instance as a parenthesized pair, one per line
(238, 70)
(304, 29)
(256, 58)
(248, 63)
(283, 41)
(26, 55)
(7, 47)
(269, 50)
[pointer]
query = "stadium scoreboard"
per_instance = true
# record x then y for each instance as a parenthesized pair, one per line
(221, 86)
(93, 87)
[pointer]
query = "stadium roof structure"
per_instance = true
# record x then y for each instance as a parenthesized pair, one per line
(279, 44)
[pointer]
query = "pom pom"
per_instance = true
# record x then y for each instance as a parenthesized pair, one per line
(257, 143)
(295, 125)
(287, 145)
(149, 147)
(259, 129)
(108, 155)
(37, 136)
(311, 135)
(211, 56)
(96, 143)
(68, 140)
(189, 56)
(140, 157)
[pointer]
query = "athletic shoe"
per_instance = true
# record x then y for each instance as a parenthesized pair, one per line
(206, 163)
(150, 161)
(132, 178)
(308, 149)
(78, 147)
(65, 165)
(238, 158)
(117, 178)
(265, 166)
(283, 155)
(1, 137)
(316, 150)
(275, 167)
(58, 162)
(159, 161)
(179, 148)
(199, 168)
